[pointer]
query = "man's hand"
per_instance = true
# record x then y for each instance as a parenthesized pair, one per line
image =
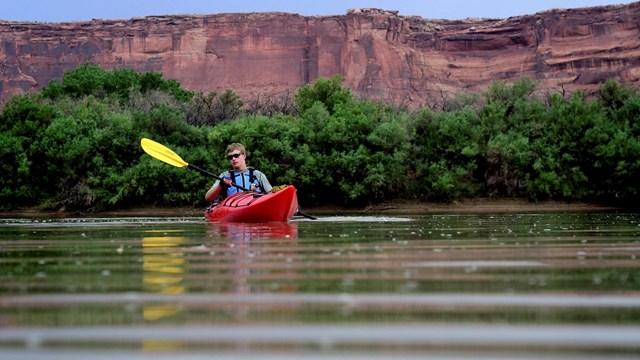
(226, 182)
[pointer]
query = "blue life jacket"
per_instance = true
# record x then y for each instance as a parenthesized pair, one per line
(244, 179)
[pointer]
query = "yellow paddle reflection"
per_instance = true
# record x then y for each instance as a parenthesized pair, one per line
(163, 273)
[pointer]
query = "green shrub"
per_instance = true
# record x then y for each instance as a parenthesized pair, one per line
(76, 144)
(328, 92)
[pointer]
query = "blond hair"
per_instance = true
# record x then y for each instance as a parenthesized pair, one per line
(236, 146)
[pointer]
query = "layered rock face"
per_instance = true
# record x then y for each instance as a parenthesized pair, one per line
(382, 55)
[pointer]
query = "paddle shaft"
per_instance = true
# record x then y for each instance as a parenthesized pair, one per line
(203, 171)
(311, 217)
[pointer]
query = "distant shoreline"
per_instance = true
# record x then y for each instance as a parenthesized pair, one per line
(399, 207)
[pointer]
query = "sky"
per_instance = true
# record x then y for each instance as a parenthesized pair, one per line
(85, 10)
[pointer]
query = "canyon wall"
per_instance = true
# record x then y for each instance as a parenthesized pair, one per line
(381, 54)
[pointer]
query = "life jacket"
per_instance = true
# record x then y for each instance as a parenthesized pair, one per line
(245, 179)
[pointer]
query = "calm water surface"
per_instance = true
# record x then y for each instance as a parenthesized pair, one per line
(491, 286)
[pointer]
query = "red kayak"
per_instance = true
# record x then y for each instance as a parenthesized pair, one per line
(251, 207)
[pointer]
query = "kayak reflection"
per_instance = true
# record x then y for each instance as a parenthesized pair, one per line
(246, 231)
(258, 260)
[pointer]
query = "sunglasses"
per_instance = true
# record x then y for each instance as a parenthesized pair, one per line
(233, 156)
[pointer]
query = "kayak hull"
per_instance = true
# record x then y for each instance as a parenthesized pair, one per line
(251, 207)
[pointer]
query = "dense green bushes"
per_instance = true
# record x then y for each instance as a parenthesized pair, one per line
(75, 145)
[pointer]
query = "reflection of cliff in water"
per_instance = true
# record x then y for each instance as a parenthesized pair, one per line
(163, 273)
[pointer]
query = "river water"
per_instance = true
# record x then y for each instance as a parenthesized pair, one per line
(453, 286)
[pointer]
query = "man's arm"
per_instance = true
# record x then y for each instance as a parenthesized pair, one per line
(218, 187)
(213, 192)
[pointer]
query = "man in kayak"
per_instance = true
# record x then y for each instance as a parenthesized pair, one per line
(241, 175)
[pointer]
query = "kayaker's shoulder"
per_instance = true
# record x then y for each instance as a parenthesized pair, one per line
(255, 171)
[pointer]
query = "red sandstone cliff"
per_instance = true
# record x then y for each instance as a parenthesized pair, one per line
(381, 54)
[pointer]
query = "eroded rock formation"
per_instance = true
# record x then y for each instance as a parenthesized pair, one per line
(382, 55)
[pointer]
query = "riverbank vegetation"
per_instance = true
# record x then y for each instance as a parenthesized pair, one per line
(75, 144)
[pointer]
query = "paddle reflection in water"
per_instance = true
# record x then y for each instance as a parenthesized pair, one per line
(163, 272)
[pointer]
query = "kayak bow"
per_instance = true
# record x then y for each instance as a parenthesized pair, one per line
(252, 207)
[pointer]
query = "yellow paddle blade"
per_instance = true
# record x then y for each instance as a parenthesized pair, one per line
(162, 153)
